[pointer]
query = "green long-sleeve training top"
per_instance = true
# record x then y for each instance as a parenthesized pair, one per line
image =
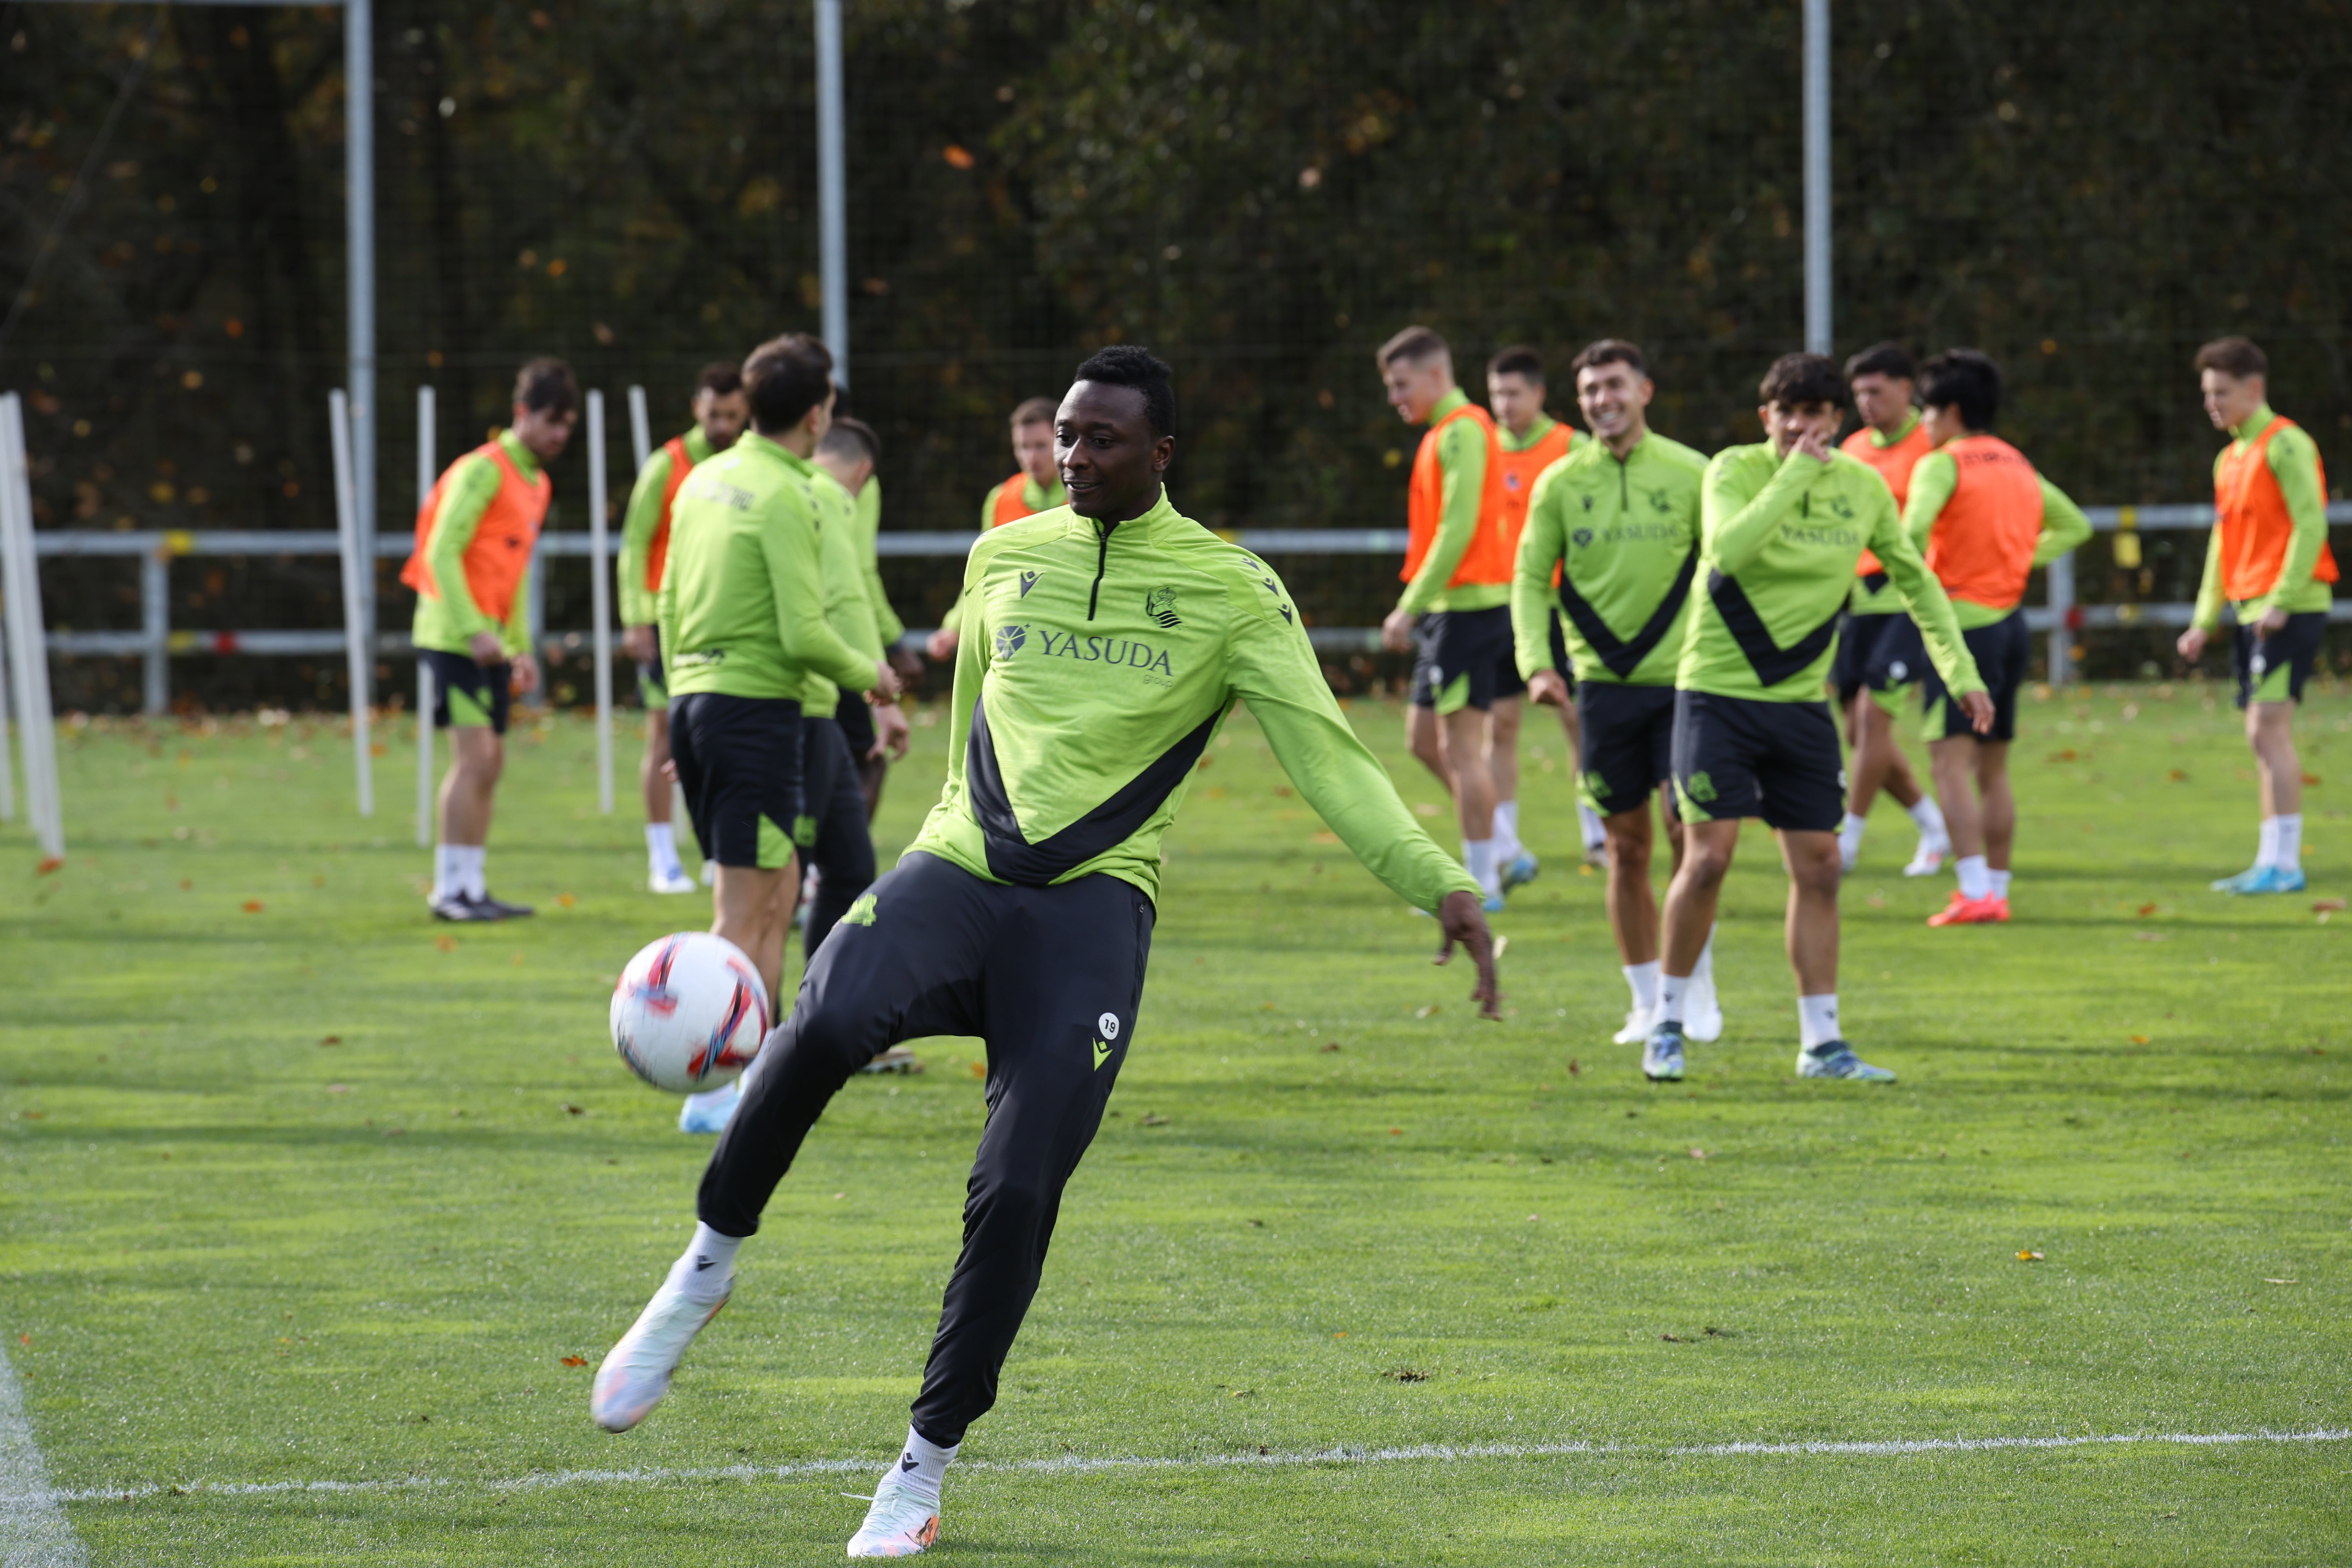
(1094, 668)
(445, 623)
(1624, 533)
(638, 525)
(1933, 479)
(886, 623)
(1462, 458)
(743, 600)
(846, 607)
(2292, 458)
(1780, 540)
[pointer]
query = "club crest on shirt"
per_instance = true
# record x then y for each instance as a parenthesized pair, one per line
(1583, 537)
(1160, 606)
(1009, 640)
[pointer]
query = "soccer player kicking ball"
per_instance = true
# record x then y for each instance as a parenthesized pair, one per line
(471, 571)
(1527, 441)
(1456, 604)
(1035, 488)
(720, 412)
(1615, 524)
(1782, 524)
(1984, 520)
(1104, 643)
(2269, 556)
(1877, 659)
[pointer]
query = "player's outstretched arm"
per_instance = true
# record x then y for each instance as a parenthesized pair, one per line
(2064, 526)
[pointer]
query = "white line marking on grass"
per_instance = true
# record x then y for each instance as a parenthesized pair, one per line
(1443, 1452)
(34, 1532)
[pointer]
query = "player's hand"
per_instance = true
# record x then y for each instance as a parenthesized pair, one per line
(1979, 707)
(1812, 444)
(2273, 622)
(1396, 631)
(669, 769)
(942, 645)
(485, 649)
(907, 662)
(1547, 687)
(890, 733)
(2190, 643)
(526, 674)
(886, 681)
(637, 643)
(1462, 920)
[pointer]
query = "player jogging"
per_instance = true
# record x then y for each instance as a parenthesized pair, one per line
(1783, 524)
(1108, 641)
(1035, 488)
(720, 412)
(1983, 520)
(2269, 557)
(1456, 601)
(1615, 525)
(1877, 663)
(471, 571)
(1526, 441)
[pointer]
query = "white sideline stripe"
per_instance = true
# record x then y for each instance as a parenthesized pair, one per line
(34, 1532)
(547, 1480)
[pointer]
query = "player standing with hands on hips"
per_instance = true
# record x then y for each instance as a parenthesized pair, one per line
(1103, 645)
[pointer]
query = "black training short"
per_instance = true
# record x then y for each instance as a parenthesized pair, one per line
(1880, 654)
(832, 831)
(739, 761)
(1559, 660)
(1742, 756)
(857, 722)
(2273, 668)
(1466, 659)
(1625, 743)
(652, 687)
(470, 696)
(2001, 651)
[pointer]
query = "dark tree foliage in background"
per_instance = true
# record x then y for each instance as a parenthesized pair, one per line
(1262, 192)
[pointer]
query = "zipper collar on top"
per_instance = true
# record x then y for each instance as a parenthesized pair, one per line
(1099, 535)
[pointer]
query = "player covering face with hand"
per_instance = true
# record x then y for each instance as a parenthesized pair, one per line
(1104, 644)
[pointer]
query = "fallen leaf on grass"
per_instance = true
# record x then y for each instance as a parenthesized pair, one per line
(1153, 1120)
(339, 1089)
(252, 906)
(1502, 946)
(24, 1339)
(2067, 755)
(980, 1069)
(2282, 1281)
(1331, 1046)
(565, 899)
(1698, 1153)
(2328, 906)
(2311, 781)
(571, 1109)
(1674, 1338)
(516, 961)
(2029, 1256)
(330, 1039)
(35, 1115)
(1244, 1393)
(1424, 808)
(2140, 1039)
(1339, 1333)
(575, 1361)
(1396, 1131)
(52, 863)
(2148, 936)
(1427, 1012)
(1405, 1375)
(1572, 1067)
(1325, 838)
(2176, 776)
(446, 944)
(2146, 910)
(1715, 1334)
(840, 1195)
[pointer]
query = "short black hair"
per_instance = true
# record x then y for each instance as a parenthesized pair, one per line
(1883, 359)
(1132, 364)
(2238, 357)
(1966, 379)
(851, 438)
(1517, 360)
(786, 377)
(1798, 379)
(1609, 350)
(720, 377)
(545, 386)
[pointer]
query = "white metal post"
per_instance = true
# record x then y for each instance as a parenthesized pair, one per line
(425, 478)
(600, 601)
(155, 623)
(832, 190)
(641, 435)
(7, 748)
(356, 652)
(28, 633)
(358, 224)
(1818, 334)
(2062, 609)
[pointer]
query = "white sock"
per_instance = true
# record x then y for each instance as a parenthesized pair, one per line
(1816, 1019)
(1671, 990)
(1642, 979)
(1850, 835)
(922, 1465)
(661, 849)
(476, 883)
(1507, 831)
(702, 1271)
(1976, 877)
(1702, 972)
(2000, 883)
(1595, 833)
(449, 870)
(2289, 848)
(1929, 816)
(2267, 854)
(1478, 855)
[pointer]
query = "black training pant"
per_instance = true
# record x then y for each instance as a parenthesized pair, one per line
(840, 844)
(1051, 978)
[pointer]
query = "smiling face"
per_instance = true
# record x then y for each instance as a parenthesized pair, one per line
(2230, 400)
(1416, 386)
(1613, 398)
(1110, 462)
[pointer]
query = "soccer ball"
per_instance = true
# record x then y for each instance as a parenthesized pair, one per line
(689, 1012)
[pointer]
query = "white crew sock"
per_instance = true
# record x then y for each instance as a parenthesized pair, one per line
(702, 1271)
(1507, 832)
(2267, 850)
(1479, 855)
(1850, 835)
(1671, 990)
(1702, 972)
(1976, 877)
(922, 1465)
(2000, 883)
(1596, 835)
(661, 849)
(477, 883)
(2288, 850)
(449, 870)
(1816, 1019)
(1642, 979)
(1929, 818)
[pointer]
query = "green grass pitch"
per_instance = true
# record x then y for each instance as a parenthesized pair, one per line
(296, 1186)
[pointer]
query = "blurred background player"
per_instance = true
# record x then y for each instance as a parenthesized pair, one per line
(1037, 487)
(1876, 669)
(720, 412)
(1610, 551)
(1527, 441)
(1456, 601)
(1983, 520)
(841, 458)
(1783, 524)
(2269, 557)
(471, 571)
